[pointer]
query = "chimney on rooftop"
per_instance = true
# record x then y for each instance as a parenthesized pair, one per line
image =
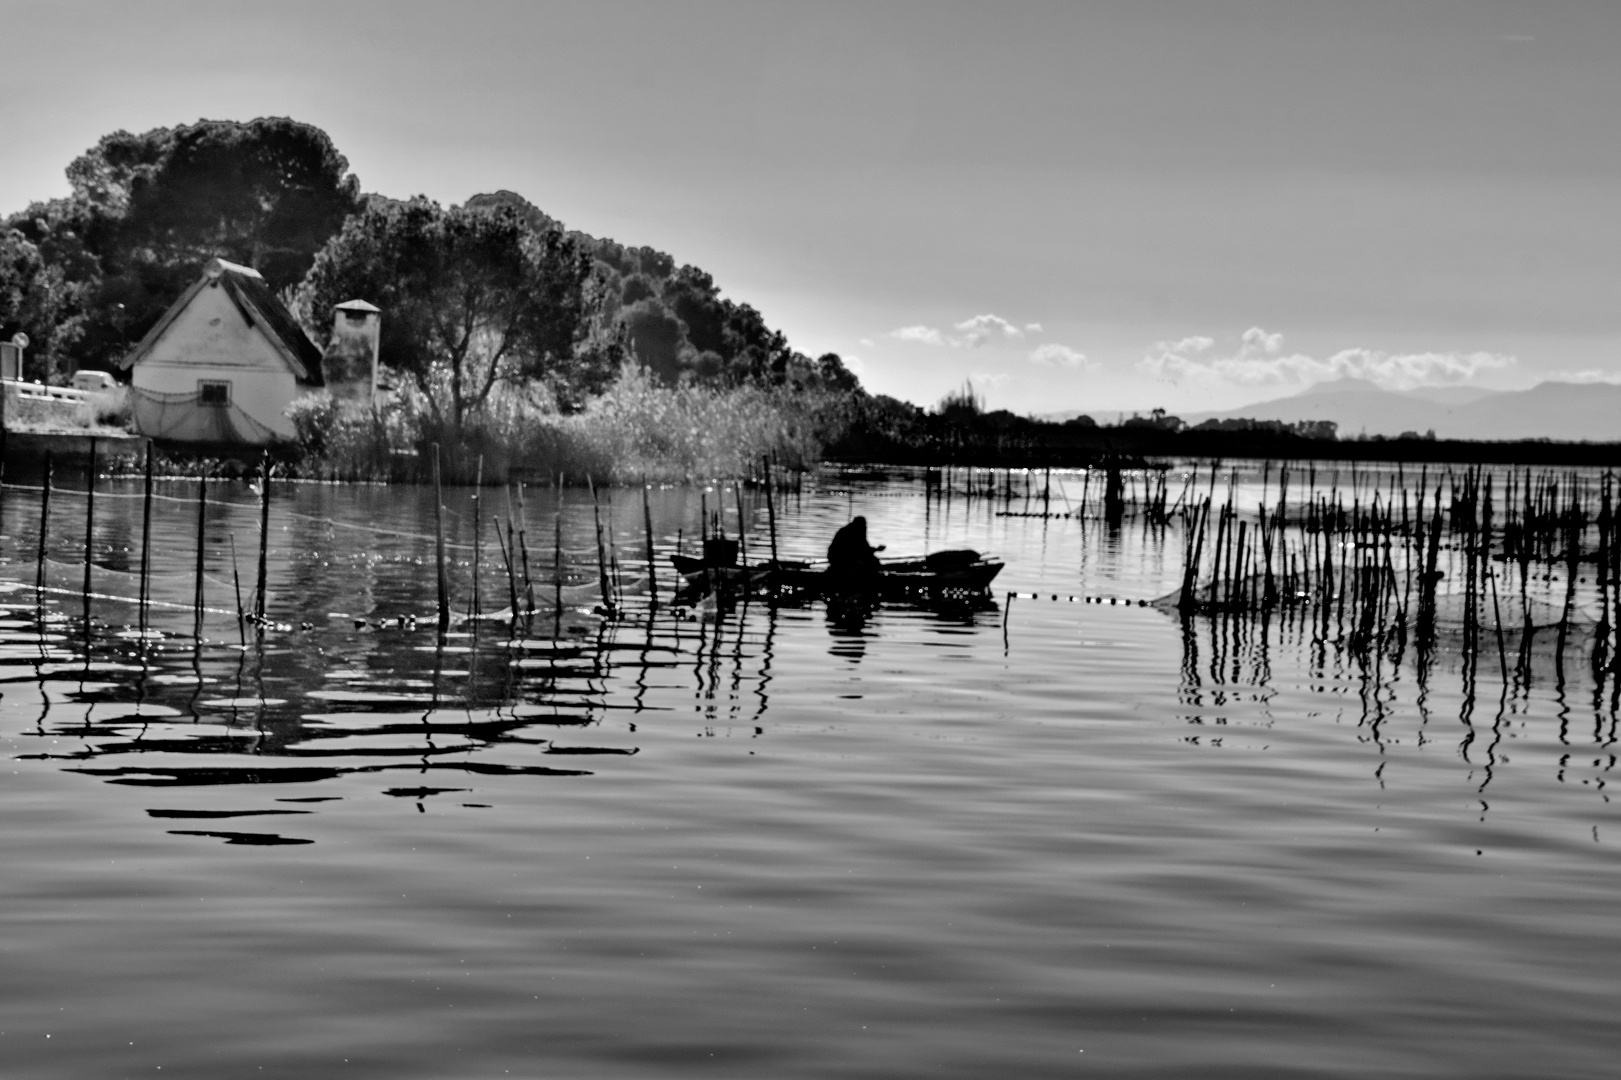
(349, 365)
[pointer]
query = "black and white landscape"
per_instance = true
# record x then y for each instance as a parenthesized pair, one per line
(695, 538)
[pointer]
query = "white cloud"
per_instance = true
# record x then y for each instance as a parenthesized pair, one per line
(1586, 375)
(971, 333)
(1256, 338)
(1032, 328)
(1061, 355)
(982, 328)
(926, 335)
(982, 378)
(866, 341)
(1186, 345)
(854, 365)
(1260, 361)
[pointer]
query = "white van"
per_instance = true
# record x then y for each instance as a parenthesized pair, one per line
(97, 382)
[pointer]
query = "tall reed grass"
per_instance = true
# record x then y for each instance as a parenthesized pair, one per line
(639, 429)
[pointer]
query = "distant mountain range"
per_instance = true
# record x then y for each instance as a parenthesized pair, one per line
(1574, 412)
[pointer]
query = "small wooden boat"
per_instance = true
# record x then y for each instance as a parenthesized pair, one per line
(942, 572)
(959, 572)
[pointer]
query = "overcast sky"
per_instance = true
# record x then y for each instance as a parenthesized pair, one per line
(1077, 205)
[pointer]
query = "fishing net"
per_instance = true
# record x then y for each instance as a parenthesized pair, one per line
(1452, 610)
(165, 588)
(186, 418)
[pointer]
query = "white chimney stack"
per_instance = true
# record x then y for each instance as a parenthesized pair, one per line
(350, 363)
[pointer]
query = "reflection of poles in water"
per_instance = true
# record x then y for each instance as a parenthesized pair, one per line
(766, 655)
(735, 707)
(640, 697)
(1190, 688)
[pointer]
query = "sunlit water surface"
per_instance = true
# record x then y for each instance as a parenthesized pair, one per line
(1029, 838)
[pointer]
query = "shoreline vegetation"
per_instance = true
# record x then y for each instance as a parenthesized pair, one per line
(522, 350)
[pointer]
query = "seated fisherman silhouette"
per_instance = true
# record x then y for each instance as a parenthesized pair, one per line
(850, 555)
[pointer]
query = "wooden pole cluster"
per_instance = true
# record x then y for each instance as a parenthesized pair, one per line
(1370, 564)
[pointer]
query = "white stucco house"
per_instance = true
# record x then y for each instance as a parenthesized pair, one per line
(222, 364)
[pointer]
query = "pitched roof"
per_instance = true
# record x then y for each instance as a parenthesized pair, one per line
(261, 307)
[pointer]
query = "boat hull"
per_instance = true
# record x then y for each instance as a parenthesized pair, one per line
(905, 578)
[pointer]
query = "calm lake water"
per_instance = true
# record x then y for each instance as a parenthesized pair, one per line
(1026, 838)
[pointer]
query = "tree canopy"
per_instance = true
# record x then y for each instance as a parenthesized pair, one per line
(472, 297)
(148, 211)
(492, 291)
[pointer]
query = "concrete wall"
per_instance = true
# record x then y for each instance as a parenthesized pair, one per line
(211, 340)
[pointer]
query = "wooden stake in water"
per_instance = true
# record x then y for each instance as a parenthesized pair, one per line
(264, 543)
(44, 529)
(89, 527)
(439, 545)
(197, 590)
(602, 555)
(236, 583)
(647, 527)
(506, 557)
(523, 543)
(146, 541)
(771, 509)
(478, 532)
(557, 571)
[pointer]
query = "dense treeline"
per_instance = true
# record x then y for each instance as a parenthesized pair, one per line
(86, 275)
(495, 315)
(960, 431)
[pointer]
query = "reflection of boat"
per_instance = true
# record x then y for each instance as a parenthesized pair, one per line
(942, 572)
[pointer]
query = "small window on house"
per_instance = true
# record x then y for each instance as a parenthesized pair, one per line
(214, 393)
(354, 318)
